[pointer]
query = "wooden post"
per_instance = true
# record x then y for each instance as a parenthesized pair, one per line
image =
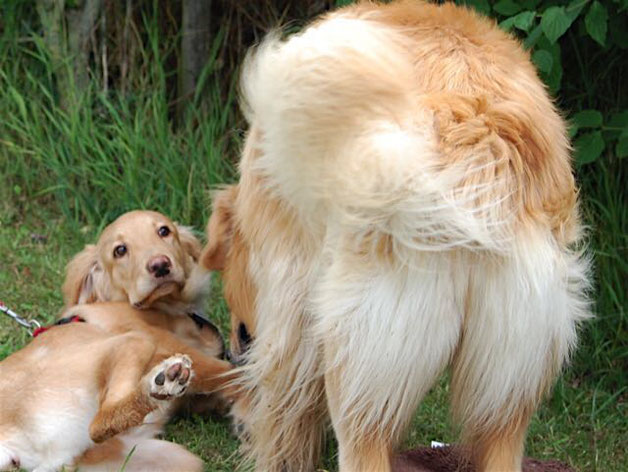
(195, 46)
(67, 30)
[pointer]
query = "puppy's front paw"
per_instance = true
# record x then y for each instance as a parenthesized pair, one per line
(171, 377)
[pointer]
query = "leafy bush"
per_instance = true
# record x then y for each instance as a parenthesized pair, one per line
(570, 38)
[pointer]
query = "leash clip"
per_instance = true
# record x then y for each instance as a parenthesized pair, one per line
(30, 325)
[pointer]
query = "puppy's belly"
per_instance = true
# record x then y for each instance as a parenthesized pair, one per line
(55, 430)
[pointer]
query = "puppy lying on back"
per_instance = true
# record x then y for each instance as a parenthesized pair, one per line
(86, 393)
(101, 379)
(142, 258)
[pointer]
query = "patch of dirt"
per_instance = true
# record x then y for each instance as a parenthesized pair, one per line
(452, 459)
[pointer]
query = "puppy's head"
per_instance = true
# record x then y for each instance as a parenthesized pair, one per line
(227, 251)
(141, 258)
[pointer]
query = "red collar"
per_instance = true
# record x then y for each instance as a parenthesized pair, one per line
(62, 321)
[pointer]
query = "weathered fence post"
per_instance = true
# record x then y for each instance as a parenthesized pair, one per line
(67, 30)
(195, 46)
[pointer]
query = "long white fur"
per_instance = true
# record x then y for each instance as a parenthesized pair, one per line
(464, 279)
(387, 337)
(371, 161)
(521, 327)
(288, 405)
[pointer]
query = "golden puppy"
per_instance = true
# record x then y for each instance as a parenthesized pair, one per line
(147, 260)
(406, 202)
(82, 383)
(143, 258)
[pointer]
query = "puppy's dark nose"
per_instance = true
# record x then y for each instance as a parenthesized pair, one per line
(159, 266)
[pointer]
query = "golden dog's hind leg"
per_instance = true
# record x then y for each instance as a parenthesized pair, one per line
(501, 450)
(386, 339)
(519, 327)
(368, 453)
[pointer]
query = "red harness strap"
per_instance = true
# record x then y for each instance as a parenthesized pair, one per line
(74, 319)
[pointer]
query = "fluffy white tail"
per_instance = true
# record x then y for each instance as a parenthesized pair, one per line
(343, 129)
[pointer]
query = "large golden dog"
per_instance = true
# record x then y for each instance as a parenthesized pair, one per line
(406, 202)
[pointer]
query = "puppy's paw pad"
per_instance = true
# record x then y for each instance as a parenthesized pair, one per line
(171, 377)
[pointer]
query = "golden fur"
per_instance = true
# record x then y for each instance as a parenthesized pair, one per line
(103, 370)
(95, 382)
(97, 275)
(406, 202)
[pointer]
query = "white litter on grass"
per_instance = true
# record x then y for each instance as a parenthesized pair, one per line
(436, 444)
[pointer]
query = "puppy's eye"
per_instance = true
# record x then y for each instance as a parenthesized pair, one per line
(163, 231)
(119, 250)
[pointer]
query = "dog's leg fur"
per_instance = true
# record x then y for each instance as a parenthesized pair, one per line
(212, 375)
(148, 454)
(131, 390)
(519, 328)
(286, 417)
(123, 401)
(386, 339)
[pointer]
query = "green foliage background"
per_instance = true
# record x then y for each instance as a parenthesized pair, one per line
(579, 48)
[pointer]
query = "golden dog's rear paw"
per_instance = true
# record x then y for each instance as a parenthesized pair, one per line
(171, 377)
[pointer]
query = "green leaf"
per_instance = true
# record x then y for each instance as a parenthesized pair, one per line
(554, 78)
(17, 189)
(533, 37)
(529, 4)
(507, 7)
(554, 23)
(574, 8)
(507, 24)
(572, 130)
(589, 146)
(343, 3)
(617, 125)
(587, 119)
(596, 22)
(621, 150)
(524, 20)
(481, 6)
(543, 60)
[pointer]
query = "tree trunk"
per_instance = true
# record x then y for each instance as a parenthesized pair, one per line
(67, 32)
(195, 46)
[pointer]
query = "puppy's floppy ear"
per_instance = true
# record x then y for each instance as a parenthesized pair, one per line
(190, 243)
(219, 229)
(84, 278)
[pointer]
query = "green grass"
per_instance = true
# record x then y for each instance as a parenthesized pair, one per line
(582, 423)
(67, 173)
